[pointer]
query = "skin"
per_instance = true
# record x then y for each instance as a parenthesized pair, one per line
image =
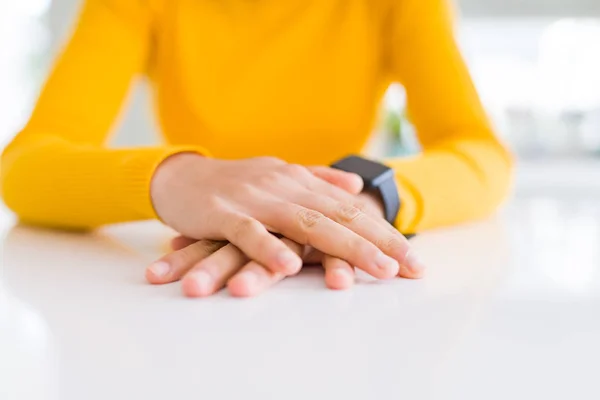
(226, 239)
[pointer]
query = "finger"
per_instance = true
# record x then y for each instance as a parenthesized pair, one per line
(384, 235)
(181, 242)
(254, 240)
(339, 275)
(348, 181)
(254, 279)
(409, 273)
(313, 256)
(317, 185)
(302, 177)
(173, 266)
(375, 230)
(211, 274)
(312, 228)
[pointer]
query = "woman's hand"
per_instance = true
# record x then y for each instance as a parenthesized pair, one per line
(241, 201)
(207, 266)
(203, 276)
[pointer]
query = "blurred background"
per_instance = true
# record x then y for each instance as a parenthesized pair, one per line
(536, 64)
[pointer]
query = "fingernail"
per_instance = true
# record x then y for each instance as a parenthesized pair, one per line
(388, 264)
(203, 281)
(159, 269)
(250, 279)
(413, 262)
(404, 271)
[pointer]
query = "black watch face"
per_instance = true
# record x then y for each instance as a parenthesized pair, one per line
(373, 173)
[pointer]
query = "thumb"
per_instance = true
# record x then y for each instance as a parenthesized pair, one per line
(348, 181)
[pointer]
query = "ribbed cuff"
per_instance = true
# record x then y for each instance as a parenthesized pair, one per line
(409, 215)
(138, 171)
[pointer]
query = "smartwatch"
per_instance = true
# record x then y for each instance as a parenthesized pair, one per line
(378, 178)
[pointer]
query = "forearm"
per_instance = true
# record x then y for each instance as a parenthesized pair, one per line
(464, 172)
(52, 182)
(457, 181)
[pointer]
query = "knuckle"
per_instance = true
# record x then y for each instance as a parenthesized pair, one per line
(348, 213)
(242, 227)
(390, 244)
(295, 170)
(269, 179)
(308, 219)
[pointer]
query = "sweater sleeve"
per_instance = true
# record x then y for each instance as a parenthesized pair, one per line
(58, 171)
(463, 172)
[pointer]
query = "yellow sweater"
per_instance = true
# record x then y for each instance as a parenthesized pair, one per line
(296, 79)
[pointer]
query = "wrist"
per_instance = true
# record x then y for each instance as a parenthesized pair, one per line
(168, 173)
(373, 203)
(378, 178)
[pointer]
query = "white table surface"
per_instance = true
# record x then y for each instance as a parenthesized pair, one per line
(510, 309)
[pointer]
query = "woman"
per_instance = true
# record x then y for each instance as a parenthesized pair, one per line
(234, 81)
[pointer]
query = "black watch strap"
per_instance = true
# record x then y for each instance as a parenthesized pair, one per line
(389, 194)
(391, 200)
(378, 178)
